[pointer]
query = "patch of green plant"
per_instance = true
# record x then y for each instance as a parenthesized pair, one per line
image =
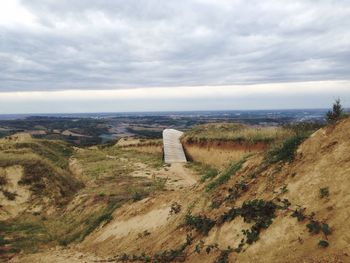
(259, 211)
(284, 204)
(304, 127)
(206, 171)
(284, 189)
(229, 215)
(3, 180)
(9, 195)
(314, 227)
(252, 235)
(90, 224)
(175, 208)
(22, 236)
(225, 176)
(325, 229)
(237, 190)
(299, 214)
(337, 113)
(200, 223)
(136, 196)
(224, 256)
(324, 192)
(209, 174)
(323, 243)
(286, 151)
(165, 256)
(158, 184)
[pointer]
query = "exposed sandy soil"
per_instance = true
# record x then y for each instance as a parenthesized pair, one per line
(177, 175)
(11, 208)
(58, 255)
(133, 221)
(147, 226)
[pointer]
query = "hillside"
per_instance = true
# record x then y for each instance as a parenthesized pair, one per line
(220, 144)
(34, 175)
(288, 203)
(56, 194)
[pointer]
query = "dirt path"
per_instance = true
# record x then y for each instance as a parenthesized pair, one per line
(57, 255)
(181, 172)
(177, 175)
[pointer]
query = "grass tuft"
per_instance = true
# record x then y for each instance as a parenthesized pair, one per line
(226, 175)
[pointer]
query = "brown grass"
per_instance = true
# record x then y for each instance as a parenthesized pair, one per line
(235, 132)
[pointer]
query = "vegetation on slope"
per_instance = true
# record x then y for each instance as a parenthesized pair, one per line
(50, 170)
(45, 166)
(235, 132)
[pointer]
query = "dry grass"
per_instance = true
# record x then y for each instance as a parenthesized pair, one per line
(215, 157)
(235, 132)
(48, 173)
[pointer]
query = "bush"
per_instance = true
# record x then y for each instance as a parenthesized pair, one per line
(3, 180)
(323, 243)
(224, 177)
(336, 113)
(208, 174)
(201, 223)
(175, 208)
(324, 192)
(10, 196)
(286, 151)
(224, 256)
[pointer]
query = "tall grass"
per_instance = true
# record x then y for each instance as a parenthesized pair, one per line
(206, 171)
(226, 175)
(235, 132)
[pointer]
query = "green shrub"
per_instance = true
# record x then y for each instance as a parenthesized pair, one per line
(259, 211)
(286, 151)
(299, 214)
(323, 243)
(314, 227)
(136, 196)
(10, 196)
(337, 112)
(201, 223)
(224, 177)
(158, 184)
(236, 191)
(209, 173)
(224, 256)
(324, 192)
(325, 229)
(175, 208)
(3, 180)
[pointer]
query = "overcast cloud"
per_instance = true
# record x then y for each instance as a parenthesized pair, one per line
(59, 45)
(89, 44)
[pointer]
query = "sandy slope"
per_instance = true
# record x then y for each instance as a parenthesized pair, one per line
(11, 208)
(147, 226)
(131, 221)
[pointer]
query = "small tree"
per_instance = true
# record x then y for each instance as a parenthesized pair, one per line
(336, 113)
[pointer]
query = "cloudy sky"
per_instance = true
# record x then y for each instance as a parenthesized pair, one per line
(134, 55)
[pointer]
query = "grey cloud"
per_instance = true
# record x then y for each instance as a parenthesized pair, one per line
(87, 44)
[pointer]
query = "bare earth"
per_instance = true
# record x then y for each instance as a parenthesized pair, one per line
(147, 226)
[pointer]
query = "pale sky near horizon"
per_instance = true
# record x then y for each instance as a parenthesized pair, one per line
(151, 55)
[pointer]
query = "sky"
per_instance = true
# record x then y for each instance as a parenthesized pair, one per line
(156, 55)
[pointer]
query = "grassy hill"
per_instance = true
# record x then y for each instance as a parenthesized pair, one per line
(284, 203)
(53, 193)
(235, 132)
